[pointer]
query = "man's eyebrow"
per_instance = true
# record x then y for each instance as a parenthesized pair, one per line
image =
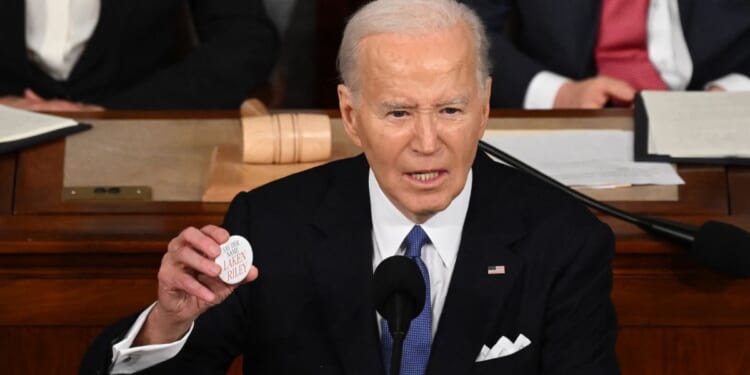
(389, 106)
(454, 101)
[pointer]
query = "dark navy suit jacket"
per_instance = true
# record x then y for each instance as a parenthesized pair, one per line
(136, 57)
(311, 310)
(528, 36)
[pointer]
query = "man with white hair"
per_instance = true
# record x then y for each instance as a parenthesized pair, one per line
(517, 276)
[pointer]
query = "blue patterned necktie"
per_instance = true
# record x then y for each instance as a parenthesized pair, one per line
(418, 340)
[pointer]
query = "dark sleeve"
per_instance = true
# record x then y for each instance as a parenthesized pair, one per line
(98, 357)
(238, 46)
(512, 70)
(220, 334)
(723, 50)
(581, 325)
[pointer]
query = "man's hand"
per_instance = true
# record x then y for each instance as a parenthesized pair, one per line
(33, 102)
(593, 93)
(188, 284)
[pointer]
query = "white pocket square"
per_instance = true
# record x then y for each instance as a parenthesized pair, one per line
(503, 348)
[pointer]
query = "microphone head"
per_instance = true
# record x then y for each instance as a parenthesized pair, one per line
(398, 286)
(723, 247)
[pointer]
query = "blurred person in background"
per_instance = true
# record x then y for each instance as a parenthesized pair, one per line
(594, 53)
(135, 54)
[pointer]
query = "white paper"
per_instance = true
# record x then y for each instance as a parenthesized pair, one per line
(16, 124)
(584, 158)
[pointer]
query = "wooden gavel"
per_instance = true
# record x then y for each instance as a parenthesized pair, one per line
(283, 138)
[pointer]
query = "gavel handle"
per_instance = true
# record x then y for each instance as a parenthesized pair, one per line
(253, 107)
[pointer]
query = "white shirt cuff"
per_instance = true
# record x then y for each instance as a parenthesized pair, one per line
(542, 90)
(127, 360)
(731, 82)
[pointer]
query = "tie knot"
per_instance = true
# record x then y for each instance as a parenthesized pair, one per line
(414, 242)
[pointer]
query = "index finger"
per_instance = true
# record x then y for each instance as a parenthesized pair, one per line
(619, 89)
(219, 234)
(197, 240)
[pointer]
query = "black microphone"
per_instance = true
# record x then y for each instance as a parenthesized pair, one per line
(399, 297)
(720, 246)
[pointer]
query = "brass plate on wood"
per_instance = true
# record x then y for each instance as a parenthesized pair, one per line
(106, 193)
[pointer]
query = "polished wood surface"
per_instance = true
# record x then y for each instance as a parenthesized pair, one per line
(7, 175)
(68, 269)
(739, 186)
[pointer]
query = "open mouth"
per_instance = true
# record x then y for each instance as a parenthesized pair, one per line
(426, 176)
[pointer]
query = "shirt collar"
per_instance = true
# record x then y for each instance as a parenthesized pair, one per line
(390, 226)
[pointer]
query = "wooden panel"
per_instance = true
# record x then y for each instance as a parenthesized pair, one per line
(40, 172)
(680, 299)
(100, 294)
(102, 234)
(68, 317)
(7, 182)
(73, 302)
(40, 176)
(679, 351)
(641, 351)
(739, 190)
(46, 350)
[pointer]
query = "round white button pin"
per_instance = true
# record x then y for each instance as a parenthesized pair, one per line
(235, 259)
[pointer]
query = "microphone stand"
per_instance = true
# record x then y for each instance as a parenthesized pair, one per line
(398, 329)
(685, 234)
(398, 348)
(717, 245)
(399, 297)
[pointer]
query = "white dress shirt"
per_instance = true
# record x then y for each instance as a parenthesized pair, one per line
(389, 229)
(57, 32)
(667, 50)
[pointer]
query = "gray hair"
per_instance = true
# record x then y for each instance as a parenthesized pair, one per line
(409, 17)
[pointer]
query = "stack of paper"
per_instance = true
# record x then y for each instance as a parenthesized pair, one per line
(583, 158)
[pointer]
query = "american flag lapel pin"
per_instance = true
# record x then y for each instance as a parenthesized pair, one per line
(496, 270)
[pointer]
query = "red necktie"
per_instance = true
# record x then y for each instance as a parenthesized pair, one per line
(621, 50)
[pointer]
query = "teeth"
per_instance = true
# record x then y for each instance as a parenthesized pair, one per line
(424, 176)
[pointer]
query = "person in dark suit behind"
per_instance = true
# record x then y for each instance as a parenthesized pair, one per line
(550, 54)
(518, 275)
(134, 54)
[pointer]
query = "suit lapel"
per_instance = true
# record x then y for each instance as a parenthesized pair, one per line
(13, 37)
(475, 298)
(342, 269)
(111, 13)
(685, 7)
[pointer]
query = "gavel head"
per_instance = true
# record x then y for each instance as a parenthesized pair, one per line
(286, 138)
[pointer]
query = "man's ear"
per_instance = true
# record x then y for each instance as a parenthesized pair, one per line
(487, 94)
(486, 105)
(347, 108)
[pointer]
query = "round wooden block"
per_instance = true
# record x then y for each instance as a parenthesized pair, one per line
(286, 138)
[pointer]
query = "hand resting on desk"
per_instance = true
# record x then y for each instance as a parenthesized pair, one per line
(33, 102)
